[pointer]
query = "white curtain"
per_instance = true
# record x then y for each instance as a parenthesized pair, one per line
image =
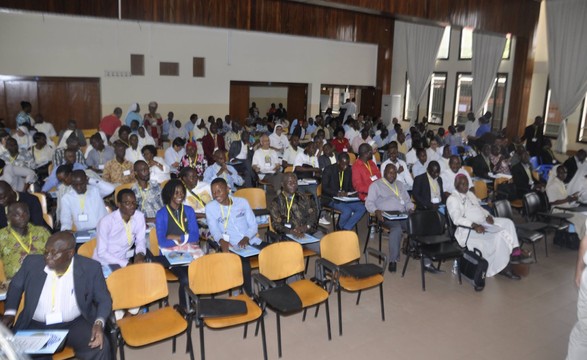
(562, 139)
(487, 53)
(567, 52)
(422, 44)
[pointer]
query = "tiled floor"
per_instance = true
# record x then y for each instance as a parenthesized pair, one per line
(527, 319)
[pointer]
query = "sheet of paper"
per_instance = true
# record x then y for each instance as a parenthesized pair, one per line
(247, 251)
(492, 228)
(346, 198)
(39, 341)
(307, 239)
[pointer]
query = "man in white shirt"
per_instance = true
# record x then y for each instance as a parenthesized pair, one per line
(403, 173)
(44, 127)
(82, 205)
(353, 131)
(266, 164)
(363, 138)
(420, 166)
(433, 152)
(471, 126)
(174, 153)
(448, 175)
(292, 151)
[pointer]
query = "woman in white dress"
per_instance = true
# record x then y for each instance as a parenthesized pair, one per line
(496, 238)
(145, 138)
(277, 140)
(560, 198)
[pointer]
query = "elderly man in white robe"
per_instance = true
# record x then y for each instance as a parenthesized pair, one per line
(496, 238)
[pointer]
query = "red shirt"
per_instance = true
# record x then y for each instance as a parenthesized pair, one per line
(362, 173)
(109, 124)
(340, 145)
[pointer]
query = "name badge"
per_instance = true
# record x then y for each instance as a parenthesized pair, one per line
(287, 225)
(100, 167)
(402, 202)
(126, 172)
(267, 159)
(345, 150)
(82, 217)
(374, 177)
(226, 237)
(130, 253)
(435, 200)
(54, 317)
(534, 139)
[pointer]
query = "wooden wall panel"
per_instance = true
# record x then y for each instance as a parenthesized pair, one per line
(17, 91)
(53, 104)
(84, 103)
(3, 115)
(239, 101)
(99, 8)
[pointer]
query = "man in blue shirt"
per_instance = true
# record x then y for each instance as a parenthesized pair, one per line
(231, 222)
(221, 170)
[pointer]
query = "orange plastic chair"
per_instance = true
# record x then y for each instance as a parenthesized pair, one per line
(154, 248)
(87, 249)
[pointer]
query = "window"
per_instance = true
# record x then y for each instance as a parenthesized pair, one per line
(495, 103)
(436, 98)
(199, 67)
(410, 109)
(137, 64)
(443, 51)
(552, 117)
(169, 69)
(582, 131)
(463, 98)
(466, 47)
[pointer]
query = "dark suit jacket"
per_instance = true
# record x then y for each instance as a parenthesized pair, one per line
(521, 179)
(323, 162)
(480, 167)
(91, 292)
(571, 165)
(208, 146)
(530, 133)
(331, 182)
(34, 209)
(422, 193)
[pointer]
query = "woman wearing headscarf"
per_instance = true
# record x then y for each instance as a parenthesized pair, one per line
(496, 238)
(23, 137)
(133, 114)
(145, 138)
(153, 121)
(560, 198)
(277, 140)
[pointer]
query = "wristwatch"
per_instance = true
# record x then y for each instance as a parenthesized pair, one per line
(99, 322)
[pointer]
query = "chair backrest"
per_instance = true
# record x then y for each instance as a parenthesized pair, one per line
(503, 209)
(121, 187)
(2, 273)
(468, 169)
(255, 196)
(425, 223)
(377, 157)
(281, 260)
(214, 273)
(48, 219)
(87, 249)
(352, 158)
(340, 247)
(89, 132)
(137, 285)
(43, 200)
(153, 243)
(544, 202)
(481, 189)
(289, 169)
(499, 181)
(531, 204)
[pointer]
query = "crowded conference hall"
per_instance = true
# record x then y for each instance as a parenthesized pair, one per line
(298, 179)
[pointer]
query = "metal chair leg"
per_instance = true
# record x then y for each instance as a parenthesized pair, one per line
(304, 314)
(328, 320)
(245, 332)
(278, 334)
(338, 296)
(459, 270)
(263, 338)
(423, 273)
(382, 304)
(202, 349)
(358, 297)
(405, 265)
(317, 310)
(367, 237)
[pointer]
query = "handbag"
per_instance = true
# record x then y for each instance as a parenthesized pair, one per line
(474, 267)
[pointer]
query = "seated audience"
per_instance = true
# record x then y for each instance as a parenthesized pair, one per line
(496, 238)
(365, 171)
(118, 170)
(428, 192)
(337, 182)
(44, 127)
(133, 152)
(100, 153)
(82, 206)
(42, 151)
(328, 156)
(220, 169)
(387, 194)
(499, 161)
(177, 229)
(192, 158)
(120, 235)
(52, 180)
(147, 192)
(522, 176)
(84, 301)
(448, 175)
(72, 143)
(403, 174)
(145, 138)
(20, 238)
(110, 123)
(212, 142)
(157, 166)
(232, 224)
(23, 138)
(433, 153)
(241, 155)
(198, 194)
(363, 138)
(9, 196)
(266, 164)
(547, 156)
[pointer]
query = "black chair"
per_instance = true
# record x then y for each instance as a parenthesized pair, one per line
(529, 232)
(537, 209)
(427, 239)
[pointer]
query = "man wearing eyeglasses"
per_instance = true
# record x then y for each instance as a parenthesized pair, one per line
(120, 235)
(62, 291)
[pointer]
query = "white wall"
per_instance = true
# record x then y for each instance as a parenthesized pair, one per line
(53, 45)
(452, 66)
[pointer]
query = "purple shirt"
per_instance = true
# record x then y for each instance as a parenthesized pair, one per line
(112, 240)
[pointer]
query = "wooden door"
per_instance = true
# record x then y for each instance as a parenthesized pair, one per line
(297, 101)
(53, 103)
(239, 101)
(17, 91)
(84, 103)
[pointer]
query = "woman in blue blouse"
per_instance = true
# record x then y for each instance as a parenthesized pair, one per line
(176, 225)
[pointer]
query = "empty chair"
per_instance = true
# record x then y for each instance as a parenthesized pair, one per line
(529, 232)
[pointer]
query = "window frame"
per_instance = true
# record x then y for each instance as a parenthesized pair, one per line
(453, 121)
(545, 111)
(428, 112)
(449, 41)
(582, 122)
(406, 103)
(509, 37)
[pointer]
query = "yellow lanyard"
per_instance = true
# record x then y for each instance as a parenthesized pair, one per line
(21, 240)
(54, 286)
(432, 184)
(143, 192)
(396, 191)
(340, 179)
(128, 228)
(368, 167)
(82, 202)
(13, 159)
(227, 215)
(177, 222)
(289, 205)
